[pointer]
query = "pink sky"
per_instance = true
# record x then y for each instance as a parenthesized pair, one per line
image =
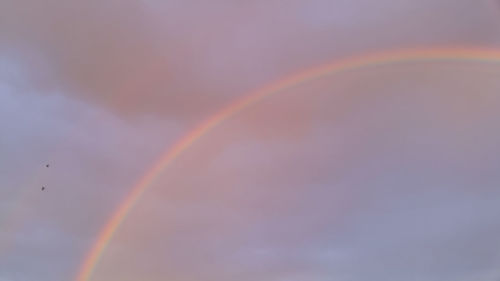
(382, 173)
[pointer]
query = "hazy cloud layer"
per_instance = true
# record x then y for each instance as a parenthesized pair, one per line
(392, 184)
(94, 158)
(186, 58)
(385, 173)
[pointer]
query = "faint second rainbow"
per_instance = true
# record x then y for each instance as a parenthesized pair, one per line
(381, 58)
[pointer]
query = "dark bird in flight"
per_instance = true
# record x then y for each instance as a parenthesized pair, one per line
(43, 188)
(47, 165)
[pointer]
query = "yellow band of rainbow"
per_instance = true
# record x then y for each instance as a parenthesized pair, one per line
(381, 58)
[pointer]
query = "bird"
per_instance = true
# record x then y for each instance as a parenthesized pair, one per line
(43, 188)
(47, 165)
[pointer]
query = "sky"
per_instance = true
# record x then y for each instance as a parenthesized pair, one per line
(378, 173)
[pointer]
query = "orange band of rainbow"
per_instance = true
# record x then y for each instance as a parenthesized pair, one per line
(383, 58)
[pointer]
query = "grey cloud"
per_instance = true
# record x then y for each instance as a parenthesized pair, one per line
(358, 176)
(395, 185)
(185, 59)
(94, 159)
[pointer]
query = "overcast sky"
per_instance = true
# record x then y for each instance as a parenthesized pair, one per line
(386, 173)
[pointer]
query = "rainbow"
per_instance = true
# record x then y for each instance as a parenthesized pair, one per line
(382, 58)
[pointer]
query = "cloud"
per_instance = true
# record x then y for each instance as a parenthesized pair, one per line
(386, 173)
(94, 159)
(396, 185)
(185, 59)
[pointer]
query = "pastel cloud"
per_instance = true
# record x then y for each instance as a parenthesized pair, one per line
(385, 173)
